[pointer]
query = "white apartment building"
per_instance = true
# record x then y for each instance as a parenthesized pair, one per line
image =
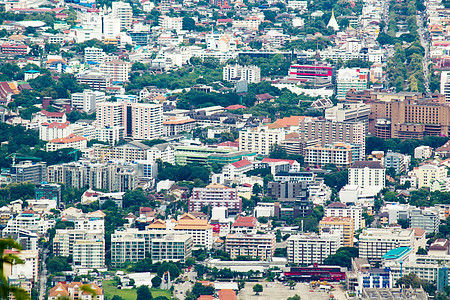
(110, 114)
(146, 121)
(428, 173)
(124, 12)
(300, 5)
(111, 26)
(351, 78)
(174, 247)
(253, 245)
(260, 139)
(94, 55)
(50, 131)
(142, 121)
(250, 23)
(426, 219)
(30, 221)
(310, 248)
(338, 209)
(29, 269)
(127, 248)
(169, 23)
(71, 141)
(111, 135)
(233, 73)
(367, 175)
(237, 170)
(375, 242)
(117, 70)
(87, 100)
(165, 152)
(338, 154)
(423, 152)
(89, 254)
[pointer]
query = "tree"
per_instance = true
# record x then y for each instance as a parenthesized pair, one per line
(404, 223)
(10, 259)
(156, 282)
(257, 189)
(257, 288)
(342, 257)
(278, 152)
(199, 289)
(421, 251)
(143, 293)
(58, 264)
(188, 24)
(116, 297)
(292, 284)
(295, 297)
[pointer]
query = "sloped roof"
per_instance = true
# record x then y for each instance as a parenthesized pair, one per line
(241, 163)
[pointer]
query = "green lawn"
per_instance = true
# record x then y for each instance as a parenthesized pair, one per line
(110, 290)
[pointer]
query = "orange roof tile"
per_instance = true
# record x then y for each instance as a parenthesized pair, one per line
(69, 139)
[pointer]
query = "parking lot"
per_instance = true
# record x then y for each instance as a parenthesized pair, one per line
(276, 290)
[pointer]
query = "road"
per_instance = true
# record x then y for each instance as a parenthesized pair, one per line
(181, 289)
(43, 276)
(424, 42)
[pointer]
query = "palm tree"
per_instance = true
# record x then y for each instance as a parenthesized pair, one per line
(12, 259)
(88, 289)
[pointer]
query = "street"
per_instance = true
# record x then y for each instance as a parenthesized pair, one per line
(423, 41)
(43, 276)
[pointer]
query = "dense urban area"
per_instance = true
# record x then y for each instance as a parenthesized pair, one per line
(224, 149)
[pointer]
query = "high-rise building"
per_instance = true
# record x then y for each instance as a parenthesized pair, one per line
(253, 245)
(124, 12)
(409, 117)
(342, 225)
(117, 70)
(94, 55)
(311, 248)
(260, 140)
(87, 100)
(375, 242)
(349, 112)
(445, 85)
(251, 74)
(426, 219)
(351, 78)
(428, 173)
(27, 171)
(50, 191)
(172, 248)
(142, 121)
(367, 174)
(338, 209)
(338, 154)
(215, 195)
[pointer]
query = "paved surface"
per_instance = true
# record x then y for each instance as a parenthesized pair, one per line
(181, 289)
(277, 291)
(43, 276)
(422, 35)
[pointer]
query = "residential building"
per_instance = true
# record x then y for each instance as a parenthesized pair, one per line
(169, 23)
(117, 70)
(94, 79)
(234, 73)
(284, 189)
(65, 239)
(28, 269)
(236, 170)
(342, 225)
(124, 12)
(445, 85)
(73, 291)
(27, 171)
(328, 132)
(50, 131)
(426, 219)
(351, 78)
(89, 254)
(94, 55)
(175, 126)
(311, 248)
(110, 135)
(428, 173)
(87, 100)
(397, 161)
(423, 152)
(51, 191)
(260, 139)
(215, 195)
(44, 116)
(349, 112)
(367, 174)
(314, 73)
(71, 141)
(134, 151)
(338, 154)
(172, 248)
(375, 242)
(29, 221)
(253, 245)
(245, 225)
(338, 209)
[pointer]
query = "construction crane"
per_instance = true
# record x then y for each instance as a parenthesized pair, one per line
(104, 155)
(15, 156)
(74, 152)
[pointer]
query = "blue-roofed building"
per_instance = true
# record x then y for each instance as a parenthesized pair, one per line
(397, 255)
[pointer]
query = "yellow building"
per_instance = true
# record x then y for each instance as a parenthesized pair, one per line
(429, 173)
(344, 225)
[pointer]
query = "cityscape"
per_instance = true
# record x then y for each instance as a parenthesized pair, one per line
(224, 149)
